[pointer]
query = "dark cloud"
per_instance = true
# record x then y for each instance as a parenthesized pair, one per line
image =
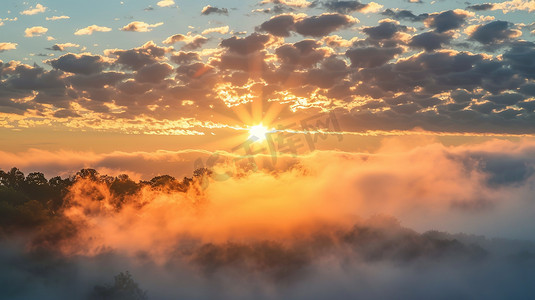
(136, 58)
(247, 45)
(185, 57)
(56, 48)
(79, 64)
(404, 15)
(494, 33)
(97, 80)
(521, 57)
(195, 44)
(280, 25)
(154, 73)
(446, 20)
(385, 30)
(315, 26)
(66, 113)
(480, 7)
(371, 57)
(318, 26)
(345, 7)
(430, 40)
(303, 54)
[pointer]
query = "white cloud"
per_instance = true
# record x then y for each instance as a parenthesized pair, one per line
(294, 3)
(372, 7)
(222, 30)
(509, 6)
(138, 26)
(34, 10)
(54, 18)
(166, 3)
(35, 31)
(90, 29)
(7, 46)
(62, 47)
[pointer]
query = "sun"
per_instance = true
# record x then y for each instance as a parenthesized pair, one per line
(258, 132)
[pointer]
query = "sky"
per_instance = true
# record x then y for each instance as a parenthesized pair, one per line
(215, 69)
(356, 149)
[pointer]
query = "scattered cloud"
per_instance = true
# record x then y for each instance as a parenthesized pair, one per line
(90, 29)
(166, 3)
(292, 3)
(7, 46)
(221, 30)
(138, 26)
(62, 47)
(207, 10)
(34, 10)
(514, 5)
(35, 31)
(493, 33)
(347, 7)
(315, 26)
(55, 18)
(174, 38)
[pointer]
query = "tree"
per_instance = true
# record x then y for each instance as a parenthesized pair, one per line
(123, 288)
(36, 178)
(13, 179)
(90, 174)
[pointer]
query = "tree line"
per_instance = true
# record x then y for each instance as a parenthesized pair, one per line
(30, 200)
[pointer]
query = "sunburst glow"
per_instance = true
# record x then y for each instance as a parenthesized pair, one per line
(258, 132)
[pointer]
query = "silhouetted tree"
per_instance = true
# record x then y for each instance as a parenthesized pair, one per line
(13, 179)
(123, 186)
(123, 288)
(90, 174)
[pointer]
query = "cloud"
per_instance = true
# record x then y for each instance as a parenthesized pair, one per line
(165, 3)
(371, 57)
(154, 73)
(174, 39)
(315, 26)
(136, 58)
(221, 30)
(252, 43)
(34, 10)
(447, 20)
(90, 29)
(61, 47)
(347, 7)
(7, 46)
(138, 26)
(493, 33)
(291, 3)
(194, 42)
(301, 54)
(480, 7)
(55, 18)
(430, 40)
(35, 31)
(404, 15)
(514, 5)
(376, 83)
(213, 10)
(80, 64)
(387, 29)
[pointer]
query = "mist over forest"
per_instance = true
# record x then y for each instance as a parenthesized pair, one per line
(93, 236)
